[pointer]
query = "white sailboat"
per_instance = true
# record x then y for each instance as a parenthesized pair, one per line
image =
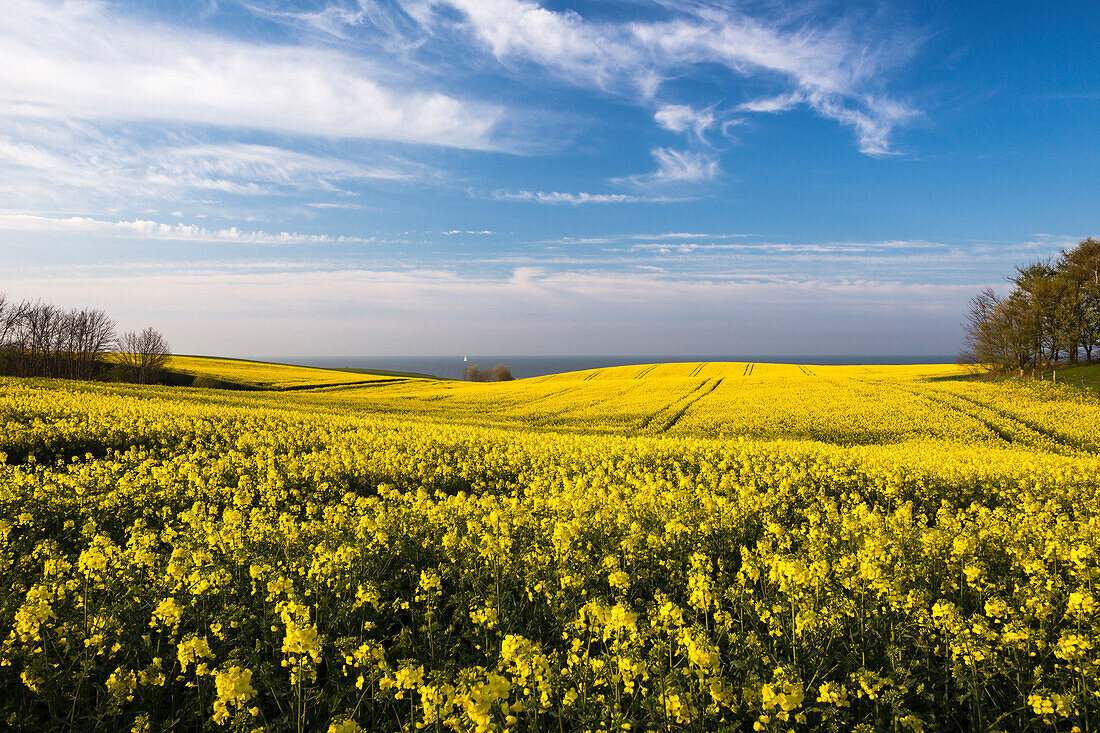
(464, 359)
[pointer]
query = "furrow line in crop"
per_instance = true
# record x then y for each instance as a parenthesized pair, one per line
(686, 407)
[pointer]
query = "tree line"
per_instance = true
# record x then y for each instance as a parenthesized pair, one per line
(41, 340)
(1051, 315)
(499, 373)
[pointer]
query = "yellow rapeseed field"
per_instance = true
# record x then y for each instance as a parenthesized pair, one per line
(267, 375)
(673, 547)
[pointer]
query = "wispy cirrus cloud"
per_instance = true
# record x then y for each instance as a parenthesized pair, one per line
(780, 247)
(677, 167)
(682, 118)
(686, 235)
(79, 60)
(278, 166)
(574, 199)
(144, 229)
(826, 64)
(823, 65)
(111, 105)
(84, 165)
(774, 104)
(100, 109)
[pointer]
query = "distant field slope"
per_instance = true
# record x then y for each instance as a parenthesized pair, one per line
(835, 404)
(707, 369)
(267, 375)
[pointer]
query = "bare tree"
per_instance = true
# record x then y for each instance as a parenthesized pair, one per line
(980, 342)
(91, 335)
(1016, 331)
(37, 336)
(40, 340)
(6, 323)
(12, 318)
(9, 319)
(1003, 333)
(25, 337)
(145, 353)
(502, 373)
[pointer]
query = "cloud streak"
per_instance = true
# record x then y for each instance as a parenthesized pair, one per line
(575, 199)
(677, 167)
(79, 61)
(151, 230)
(824, 66)
(84, 166)
(682, 118)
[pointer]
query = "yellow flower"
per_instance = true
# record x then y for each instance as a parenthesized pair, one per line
(193, 649)
(233, 687)
(121, 684)
(168, 614)
(344, 726)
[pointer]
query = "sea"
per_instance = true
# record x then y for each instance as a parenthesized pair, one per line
(450, 367)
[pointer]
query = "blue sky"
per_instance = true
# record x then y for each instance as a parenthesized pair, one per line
(355, 177)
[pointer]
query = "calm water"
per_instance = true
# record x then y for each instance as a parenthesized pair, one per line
(534, 366)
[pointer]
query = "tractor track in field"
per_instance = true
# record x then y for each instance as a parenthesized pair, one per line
(593, 375)
(1056, 437)
(541, 421)
(646, 371)
(540, 416)
(748, 369)
(691, 401)
(993, 427)
(653, 415)
(696, 370)
(548, 395)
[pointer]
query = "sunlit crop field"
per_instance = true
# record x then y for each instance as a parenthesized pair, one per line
(686, 547)
(266, 375)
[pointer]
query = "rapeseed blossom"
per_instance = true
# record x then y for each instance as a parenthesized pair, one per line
(233, 687)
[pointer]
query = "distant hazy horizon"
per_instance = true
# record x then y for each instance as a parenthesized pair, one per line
(523, 366)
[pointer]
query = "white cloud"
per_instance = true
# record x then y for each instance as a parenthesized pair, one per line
(873, 124)
(151, 230)
(562, 42)
(275, 165)
(81, 166)
(778, 103)
(681, 118)
(77, 60)
(561, 197)
(383, 23)
(684, 165)
(828, 66)
(786, 248)
(677, 166)
(98, 107)
(686, 235)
